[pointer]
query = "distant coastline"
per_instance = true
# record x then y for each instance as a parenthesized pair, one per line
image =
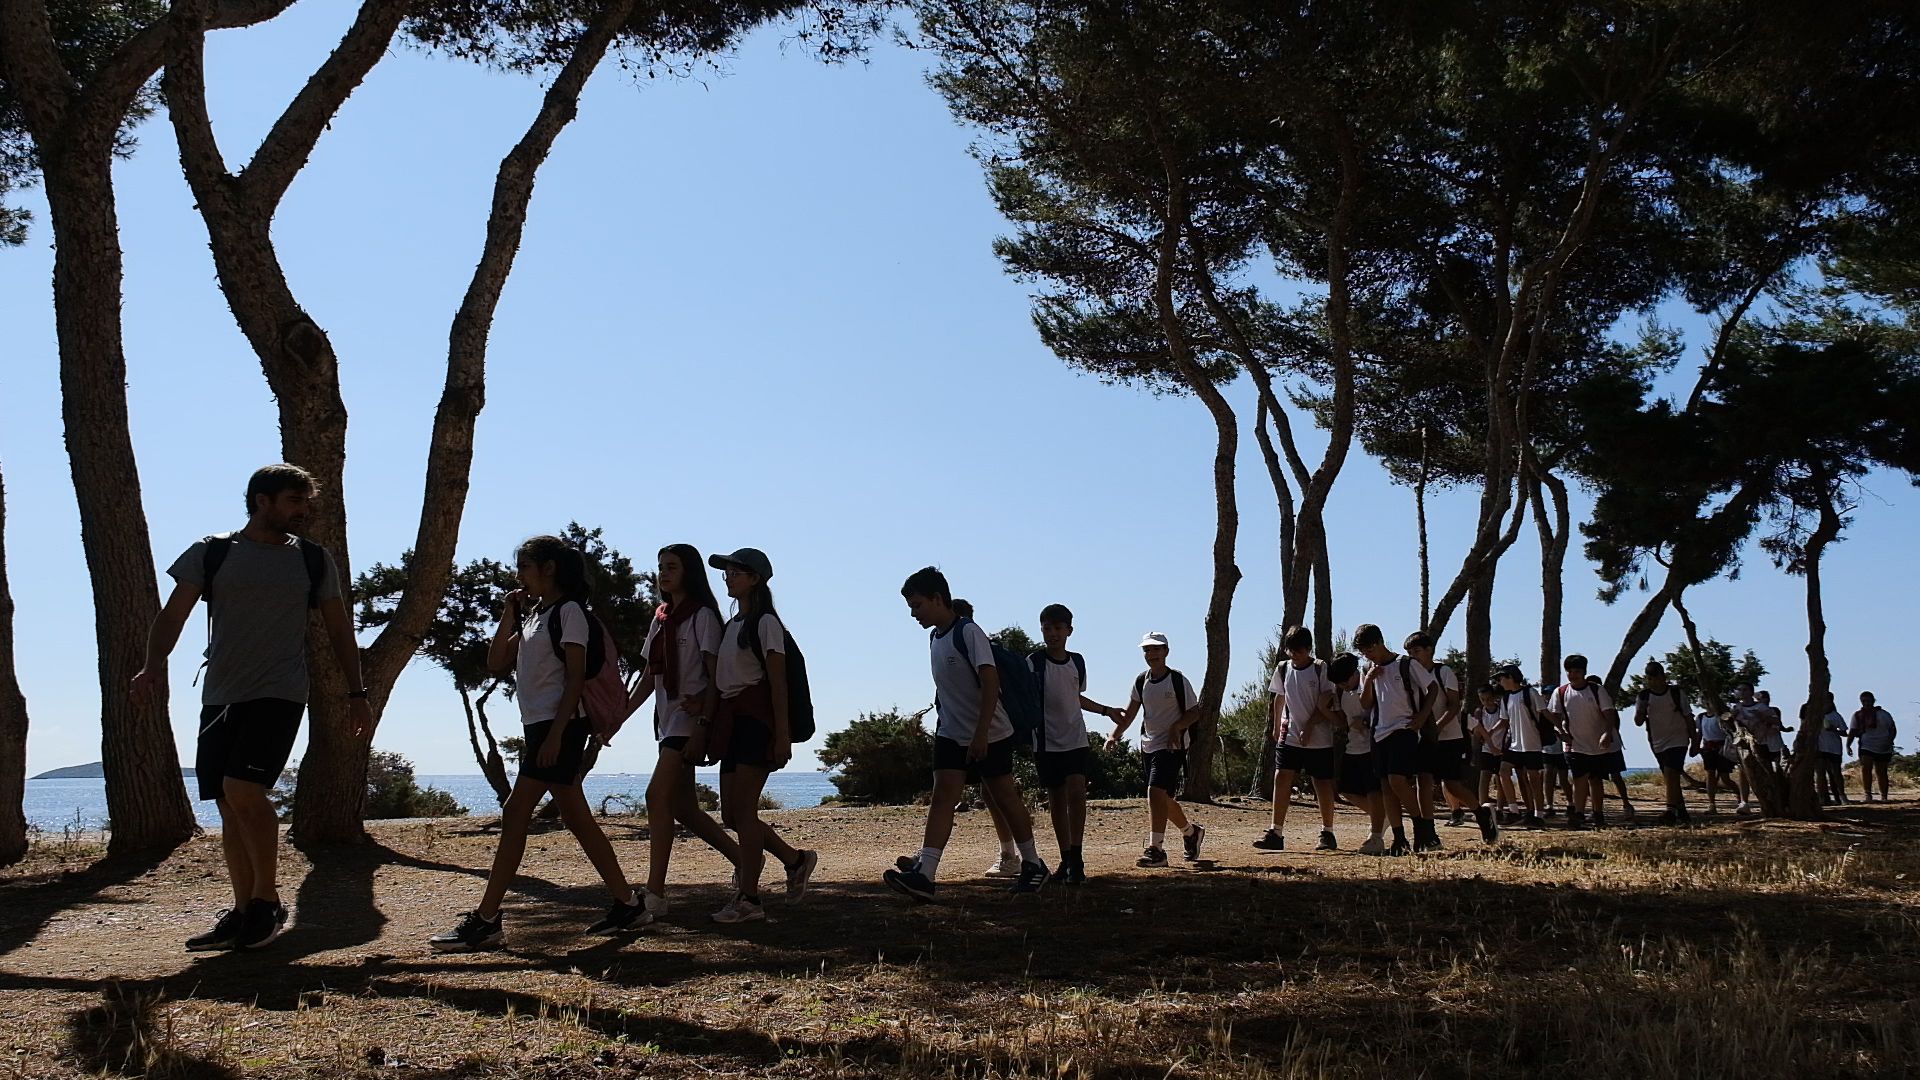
(93, 770)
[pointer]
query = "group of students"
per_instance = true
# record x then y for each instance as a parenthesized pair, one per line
(1394, 740)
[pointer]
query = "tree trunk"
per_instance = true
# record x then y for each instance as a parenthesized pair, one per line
(492, 766)
(1803, 799)
(1323, 602)
(13, 721)
(1553, 569)
(1640, 631)
(1420, 520)
(1479, 621)
(1710, 686)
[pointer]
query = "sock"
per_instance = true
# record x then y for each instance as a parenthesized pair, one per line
(930, 861)
(1188, 831)
(1028, 853)
(1074, 853)
(1158, 839)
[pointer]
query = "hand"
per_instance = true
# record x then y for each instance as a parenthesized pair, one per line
(695, 707)
(696, 748)
(977, 749)
(140, 690)
(1114, 741)
(360, 721)
(1116, 714)
(781, 751)
(513, 605)
(549, 750)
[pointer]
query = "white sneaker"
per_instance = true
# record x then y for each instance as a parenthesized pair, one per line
(799, 874)
(1007, 866)
(739, 910)
(1741, 808)
(1374, 846)
(654, 907)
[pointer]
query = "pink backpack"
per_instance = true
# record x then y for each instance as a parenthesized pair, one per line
(604, 697)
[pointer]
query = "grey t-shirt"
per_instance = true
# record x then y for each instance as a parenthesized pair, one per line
(257, 645)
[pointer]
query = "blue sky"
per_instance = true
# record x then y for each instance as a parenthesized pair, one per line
(757, 307)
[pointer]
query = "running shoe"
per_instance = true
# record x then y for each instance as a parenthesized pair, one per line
(224, 935)
(472, 934)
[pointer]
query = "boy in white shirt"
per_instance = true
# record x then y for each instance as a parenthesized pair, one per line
(1488, 729)
(1062, 756)
(1833, 741)
(1359, 777)
(1717, 758)
(1590, 726)
(1310, 735)
(1399, 691)
(1874, 728)
(1444, 744)
(1171, 708)
(1527, 718)
(1664, 712)
(973, 738)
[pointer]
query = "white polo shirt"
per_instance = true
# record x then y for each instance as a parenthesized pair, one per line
(1302, 692)
(1585, 709)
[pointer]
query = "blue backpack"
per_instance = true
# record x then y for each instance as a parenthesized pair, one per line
(1020, 691)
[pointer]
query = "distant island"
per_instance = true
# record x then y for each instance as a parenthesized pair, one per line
(91, 771)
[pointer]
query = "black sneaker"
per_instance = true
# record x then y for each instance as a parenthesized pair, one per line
(473, 933)
(1577, 821)
(1457, 819)
(1489, 829)
(1153, 856)
(1425, 837)
(1192, 841)
(224, 935)
(1327, 841)
(907, 864)
(1599, 820)
(264, 921)
(1032, 877)
(1272, 841)
(1536, 822)
(1399, 847)
(1078, 871)
(621, 917)
(910, 883)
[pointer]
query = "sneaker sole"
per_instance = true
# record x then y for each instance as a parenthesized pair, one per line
(463, 947)
(735, 922)
(894, 883)
(218, 946)
(263, 942)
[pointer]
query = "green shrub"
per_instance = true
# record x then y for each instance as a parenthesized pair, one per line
(1243, 728)
(392, 791)
(882, 758)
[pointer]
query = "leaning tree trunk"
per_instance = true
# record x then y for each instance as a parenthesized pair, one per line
(13, 721)
(1803, 800)
(1553, 568)
(1323, 602)
(492, 766)
(1710, 688)
(1420, 522)
(1479, 620)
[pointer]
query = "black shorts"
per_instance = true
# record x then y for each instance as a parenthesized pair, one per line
(1715, 762)
(1768, 754)
(1358, 775)
(1831, 757)
(1528, 759)
(951, 756)
(1164, 768)
(675, 743)
(1585, 765)
(1490, 763)
(1054, 766)
(750, 744)
(1321, 764)
(1442, 759)
(247, 740)
(1553, 759)
(1673, 759)
(1616, 763)
(1878, 757)
(565, 770)
(1398, 754)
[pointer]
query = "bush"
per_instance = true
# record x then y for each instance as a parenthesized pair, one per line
(1243, 728)
(882, 758)
(392, 791)
(708, 799)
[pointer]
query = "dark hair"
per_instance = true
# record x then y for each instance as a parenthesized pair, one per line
(759, 603)
(1491, 689)
(1342, 667)
(1417, 640)
(1367, 634)
(1655, 667)
(569, 564)
(962, 608)
(693, 578)
(271, 480)
(1297, 638)
(929, 582)
(1575, 662)
(1511, 672)
(1056, 613)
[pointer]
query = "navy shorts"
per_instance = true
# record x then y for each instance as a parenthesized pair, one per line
(1616, 762)
(1164, 769)
(247, 740)
(1527, 759)
(1442, 759)
(1585, 765)
(749, 744)
(1490, 763)
(1398, 754)
(1358, 776)
(951, 756)
(1321, 764)
(1054, 766)
(565, 770)
(1876, 756)
(1673, 759)
(1831, 757)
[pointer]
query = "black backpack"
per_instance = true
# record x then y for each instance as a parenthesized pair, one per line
(1019, 690)
(800, 722)
(220, 545)
(1673, 691)
(1417, 704)
(1549, 735)
(596, 637)
(1179, 691)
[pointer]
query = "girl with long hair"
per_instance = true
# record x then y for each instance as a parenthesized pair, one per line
(542, 639)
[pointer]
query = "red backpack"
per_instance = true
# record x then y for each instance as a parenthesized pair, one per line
(604, 696)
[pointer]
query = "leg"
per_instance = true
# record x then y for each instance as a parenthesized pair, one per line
(1376, 808)
(578, 817)
(1174, 815)
(1886, 789)
(1060, 811)
(1427, 792)
(246, 806)
(1459, 795)
(663, 793)
(740, 800)
(1283, 781)
(1156, 811)
(1323, 793)
(1001, 827)
(1530, 790)
(1675, 800)
(1077, 807)
(1003, 792)
(947, 787)
(233, 845)
(687, 812)
(515, 816)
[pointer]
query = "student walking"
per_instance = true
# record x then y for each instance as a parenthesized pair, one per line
(1832, 786)
(1718, 759)
(1874, 730)
(1590, 727)
(1398, 690)
(1310, 733)
(1007, 864)
(261, 585)
(1172, 708)
(1663, 710)
(1488, 729)
(973, 738)
(544, 636)
(1359, 776)
(1443, 742)
(1062, 755)
(1528, 724)
(752, 732)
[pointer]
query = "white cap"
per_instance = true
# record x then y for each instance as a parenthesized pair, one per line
(1154, 637)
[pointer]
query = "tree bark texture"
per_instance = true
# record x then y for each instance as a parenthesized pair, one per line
(1553, 568)
(1420, 520)
(13, 720)
(492, 765)
(1803, 800)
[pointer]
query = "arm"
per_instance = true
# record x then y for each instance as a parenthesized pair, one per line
(161, 638)
(1366, 690)
(346, 652)
(708, 705)
(506, 638)
(1111, 712)
(989, 705)
(569, 704)
(1126, 721)
(1189, 718)
(1275, 707)
(782, 727)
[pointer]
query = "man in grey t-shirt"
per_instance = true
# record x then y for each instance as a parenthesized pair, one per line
(260, 584)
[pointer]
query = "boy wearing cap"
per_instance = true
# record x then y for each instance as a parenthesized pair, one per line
(1399, 691)
(973, 738)
(1171, 708)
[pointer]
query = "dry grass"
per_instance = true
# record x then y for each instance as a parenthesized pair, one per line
(1738, 949)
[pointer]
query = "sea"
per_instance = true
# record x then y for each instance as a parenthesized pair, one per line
(81, 804)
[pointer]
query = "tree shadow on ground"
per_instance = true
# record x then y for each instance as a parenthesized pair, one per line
(119, 1037)
(29, 901)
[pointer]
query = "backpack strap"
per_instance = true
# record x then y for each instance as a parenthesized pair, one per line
(1140, 688)
(1080, 666)
(1179, 690)
(1416, 704)
(212, 556)
(959, 630)
(315, 557)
